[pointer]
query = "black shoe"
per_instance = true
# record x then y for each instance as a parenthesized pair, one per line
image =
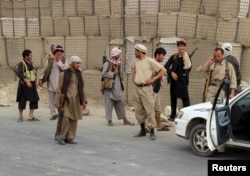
(141, 134)
(70, 141)
(152, 136)
(61, 141)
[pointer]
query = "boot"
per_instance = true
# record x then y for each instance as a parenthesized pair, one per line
(152, 135)
(142, 133)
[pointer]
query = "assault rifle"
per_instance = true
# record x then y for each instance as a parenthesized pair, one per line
(190, 56)
(60, 116)
(192, 53)
(104, 59)
(206, 85)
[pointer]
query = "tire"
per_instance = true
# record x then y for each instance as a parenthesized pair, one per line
(198, 141)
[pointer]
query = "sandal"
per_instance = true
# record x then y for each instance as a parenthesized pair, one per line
(20, 119)
(33, 119)
(165, 128)
(128, 123)
(54, 117)
(110, 123)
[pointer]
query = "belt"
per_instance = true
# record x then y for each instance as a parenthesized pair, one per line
(143, 85)
(216, 80)
(215, 84)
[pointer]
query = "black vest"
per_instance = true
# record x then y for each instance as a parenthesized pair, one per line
(67, 80)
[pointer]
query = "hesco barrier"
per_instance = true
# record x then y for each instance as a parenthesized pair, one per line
(89, 27)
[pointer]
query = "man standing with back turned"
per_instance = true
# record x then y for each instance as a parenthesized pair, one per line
(142, 76)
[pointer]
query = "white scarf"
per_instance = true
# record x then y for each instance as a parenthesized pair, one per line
(187, 61)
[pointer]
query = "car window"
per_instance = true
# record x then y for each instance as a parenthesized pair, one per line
(240, 110)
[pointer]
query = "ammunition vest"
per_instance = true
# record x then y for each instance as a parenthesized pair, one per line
(30, 75)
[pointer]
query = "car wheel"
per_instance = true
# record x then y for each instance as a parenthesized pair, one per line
(198, 141)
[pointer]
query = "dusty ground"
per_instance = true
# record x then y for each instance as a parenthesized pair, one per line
(94, 105)
(29, 148)
(8, 96)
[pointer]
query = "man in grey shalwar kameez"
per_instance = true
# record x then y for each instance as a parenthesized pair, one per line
(114, 88)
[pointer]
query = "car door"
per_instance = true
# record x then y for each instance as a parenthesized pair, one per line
(218, 127)
(218, 122)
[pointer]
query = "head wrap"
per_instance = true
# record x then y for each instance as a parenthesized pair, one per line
(141, 48)
(115, 52)
(181, 41)
(227, 48)
(58, 48)
(74, 59)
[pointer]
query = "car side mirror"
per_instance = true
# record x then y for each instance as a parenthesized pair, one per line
(219, 101)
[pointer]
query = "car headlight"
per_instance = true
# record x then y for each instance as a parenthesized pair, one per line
(179, 115)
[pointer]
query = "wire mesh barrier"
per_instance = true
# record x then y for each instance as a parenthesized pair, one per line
(87, 27)
(77, 46)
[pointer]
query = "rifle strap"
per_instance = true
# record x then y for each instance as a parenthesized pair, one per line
(226, 71)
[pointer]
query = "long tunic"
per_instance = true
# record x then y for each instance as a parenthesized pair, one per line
(72, 108)
(54, 74)
(180, 86)
(116, 91)
(113, 96)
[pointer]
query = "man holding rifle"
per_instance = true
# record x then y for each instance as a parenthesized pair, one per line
(178, 67)
(218, 69)
(71, 98)
(26, 90)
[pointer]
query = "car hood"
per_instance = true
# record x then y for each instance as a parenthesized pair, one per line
(199, 107)
(198, 110)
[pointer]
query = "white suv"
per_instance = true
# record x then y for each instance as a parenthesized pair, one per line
(208, 126)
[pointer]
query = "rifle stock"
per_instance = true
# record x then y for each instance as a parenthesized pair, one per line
(206, 86)
(14, 69)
